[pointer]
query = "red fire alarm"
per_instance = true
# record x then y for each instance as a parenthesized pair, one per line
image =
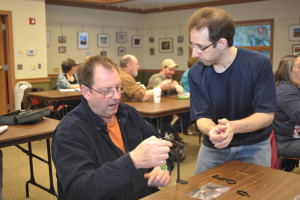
(31, 20)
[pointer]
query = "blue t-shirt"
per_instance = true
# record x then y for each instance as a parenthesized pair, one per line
(245, 88)
(185, 81)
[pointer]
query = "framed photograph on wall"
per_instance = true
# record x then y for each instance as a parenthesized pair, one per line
(62, 49)
(121, 37)
(83, 40)
(62, 39)
(103, 40)
(136, 41)
(296, 48)
(103, 53)
(151, 39)
(152, 51)
(48, 38)
(180, 39)
(179, 51)
(294, 32)
(121, 51)
(165, 45)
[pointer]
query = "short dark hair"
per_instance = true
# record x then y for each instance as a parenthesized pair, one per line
(283, 72)
(219, 24)
(67, 65)
(86, 70)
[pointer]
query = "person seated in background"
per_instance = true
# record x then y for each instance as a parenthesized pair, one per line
(184, 79)
(186, 89)
(167, 72)
(129, 67)
(104, 149)
(68, 79)
(286, 121)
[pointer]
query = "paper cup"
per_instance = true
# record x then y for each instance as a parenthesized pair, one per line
(156, 95)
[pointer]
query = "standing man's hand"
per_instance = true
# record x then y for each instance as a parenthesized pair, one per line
(152, 152)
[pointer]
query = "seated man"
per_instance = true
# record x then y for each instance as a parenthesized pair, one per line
(129, 67)
(168, 70)
(104, 149)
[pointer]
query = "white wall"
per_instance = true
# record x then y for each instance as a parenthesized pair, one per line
(26, 36)
(159, 25)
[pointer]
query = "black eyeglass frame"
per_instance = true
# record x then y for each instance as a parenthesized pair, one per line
(201, 49)
(112, 92)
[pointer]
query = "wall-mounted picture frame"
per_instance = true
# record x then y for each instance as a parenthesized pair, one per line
(294, 32)
(180, 39)
(103, 40)
(62, 39)
(179, 51)
(83, 40)
(103, 53)
(296, 48)
(151, 39)
(121, 37)
(151, 51)
(62, 49)
(165, 45)
(121, 51)
(136, 41)
(48, 38)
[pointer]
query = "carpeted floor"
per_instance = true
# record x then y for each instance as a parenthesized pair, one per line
(16, 170)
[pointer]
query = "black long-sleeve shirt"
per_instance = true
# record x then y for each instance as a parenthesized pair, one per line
(89, 165)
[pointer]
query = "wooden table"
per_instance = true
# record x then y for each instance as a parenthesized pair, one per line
(259, 182)
(168, 106)
(55, 95)
(18, 134)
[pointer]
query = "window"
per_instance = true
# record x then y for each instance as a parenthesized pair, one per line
(256, 35)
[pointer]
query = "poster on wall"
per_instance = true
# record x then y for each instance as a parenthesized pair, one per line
(103, 40)
(165, 45)
(83, 40)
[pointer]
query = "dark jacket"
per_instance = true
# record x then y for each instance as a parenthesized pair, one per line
(88, 164)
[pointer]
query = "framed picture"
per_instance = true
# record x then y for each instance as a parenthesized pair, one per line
(103, 40)
(165, 45)
(136, 41)
(48, 38)
(62, 49)
(151, 51)
(83, 40)
(151, 39)
(179, 51)
(180, 39)
(296, 48)
(121, 51)
(121, 37)
(295, 32)
(62, 39)
(103, 53)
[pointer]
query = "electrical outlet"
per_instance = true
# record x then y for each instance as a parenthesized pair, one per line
(39, 65)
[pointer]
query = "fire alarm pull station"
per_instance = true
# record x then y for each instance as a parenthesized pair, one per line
(31, 20)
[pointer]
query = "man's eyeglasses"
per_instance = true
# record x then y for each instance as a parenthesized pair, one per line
(110, 92)
(198, 48)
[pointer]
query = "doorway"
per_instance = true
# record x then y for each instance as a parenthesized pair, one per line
(7, 75)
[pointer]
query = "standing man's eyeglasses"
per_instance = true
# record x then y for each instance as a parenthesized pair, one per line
(198, 48)
(110, 92)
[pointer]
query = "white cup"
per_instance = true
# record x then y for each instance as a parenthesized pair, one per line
(156, 95)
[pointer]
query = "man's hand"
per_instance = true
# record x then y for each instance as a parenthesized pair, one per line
(152, 152)
(158, 178)
(165, 85)
(222, 134)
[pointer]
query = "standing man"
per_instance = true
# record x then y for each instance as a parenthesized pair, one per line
(129, 67)
(104, 149)
(232, 91)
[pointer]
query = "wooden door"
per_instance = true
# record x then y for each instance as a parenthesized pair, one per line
(3, 72)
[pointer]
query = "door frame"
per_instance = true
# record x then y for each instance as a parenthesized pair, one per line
(10, 58)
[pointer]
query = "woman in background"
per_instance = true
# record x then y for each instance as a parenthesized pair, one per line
(68, 79)
(184, 79)
(287, 116)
